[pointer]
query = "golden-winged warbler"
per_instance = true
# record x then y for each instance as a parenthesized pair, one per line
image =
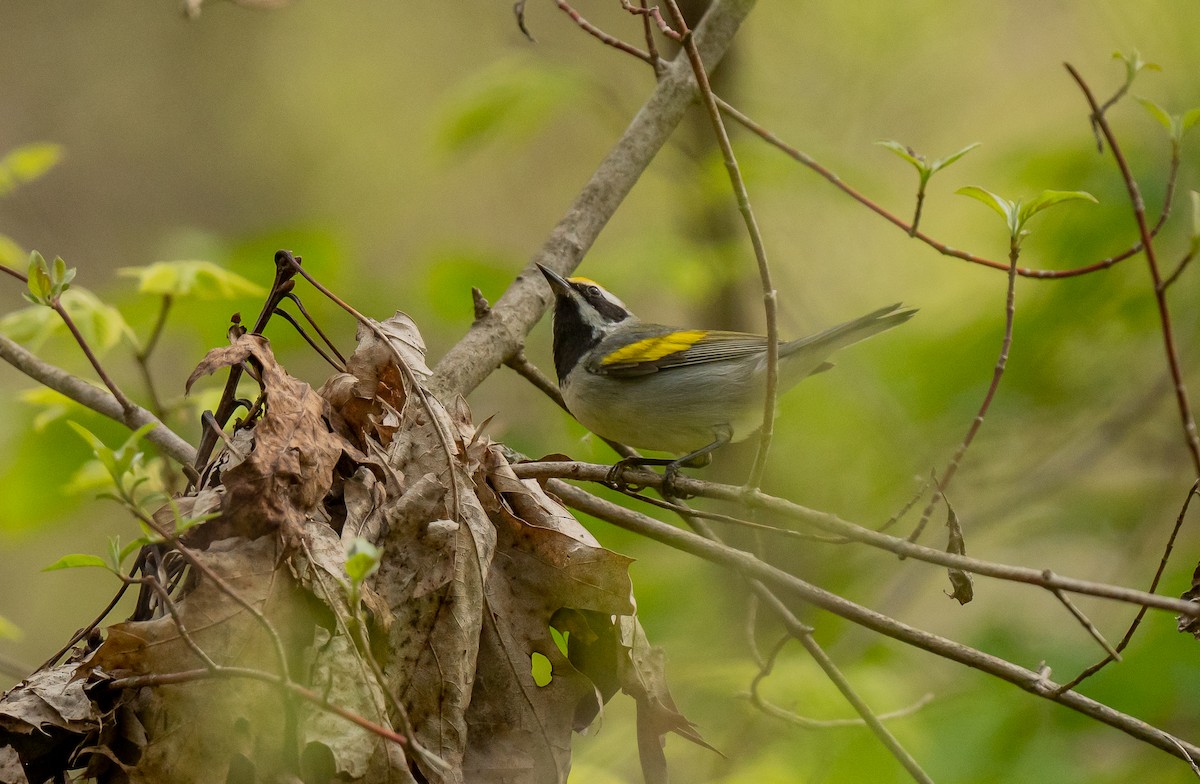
(686, 391)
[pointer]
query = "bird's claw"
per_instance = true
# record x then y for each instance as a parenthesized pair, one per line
(670, 473)
(616, 480)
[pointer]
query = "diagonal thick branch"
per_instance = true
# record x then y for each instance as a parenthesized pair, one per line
(497, 336)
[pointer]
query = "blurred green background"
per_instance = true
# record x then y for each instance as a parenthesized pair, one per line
(409, 151)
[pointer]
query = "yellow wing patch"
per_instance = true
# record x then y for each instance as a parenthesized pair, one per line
(652, 349)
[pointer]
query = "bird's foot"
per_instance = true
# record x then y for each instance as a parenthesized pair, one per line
(669, 490)
(615, 477)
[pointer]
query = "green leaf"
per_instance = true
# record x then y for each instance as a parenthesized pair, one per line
(1190, 118)
(38, 285)
(942, 163)
(132, 547)
(51, 405)
(1134, 64)
(106, 456)
(27, 163)
(1158, 113)
(1003, 207)
(202, 279)
(1047, 199)
(905, 152)
(76, 561)
(362, 560)
(561, 640)
(192, 522)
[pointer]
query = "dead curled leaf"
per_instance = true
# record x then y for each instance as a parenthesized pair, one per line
(962, 589)
(290, 469)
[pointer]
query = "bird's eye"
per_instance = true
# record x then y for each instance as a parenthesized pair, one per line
(592, 291)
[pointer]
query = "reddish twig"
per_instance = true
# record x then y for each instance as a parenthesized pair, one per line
(1160, 292)
(940, 247)
(652, 13)
(603, 37)
(1010, 312)
(1137, 619)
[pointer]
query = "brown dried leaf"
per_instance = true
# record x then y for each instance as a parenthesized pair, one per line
(290, 470)
(962, 588)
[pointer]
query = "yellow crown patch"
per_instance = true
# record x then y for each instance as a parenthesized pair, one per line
(652, 349)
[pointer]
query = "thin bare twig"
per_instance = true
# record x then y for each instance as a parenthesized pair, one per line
(804, 634)
(652, 13)
(1141, 613)
(142, 354)
(1086, 623)
(1160, 293)
(601, 36)
(770, 297)
(1010, 312)
(942, 248)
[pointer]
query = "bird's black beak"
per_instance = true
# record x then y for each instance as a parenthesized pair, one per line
(558, 284)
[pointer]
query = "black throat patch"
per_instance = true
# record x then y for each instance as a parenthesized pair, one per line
(573, 337)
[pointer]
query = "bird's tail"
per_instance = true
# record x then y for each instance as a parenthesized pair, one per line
(808, 354)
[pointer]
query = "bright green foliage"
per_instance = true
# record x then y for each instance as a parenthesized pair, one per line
(560, 639)
(120, 462)
(201, 279)
(1017, 213)
(26, 164)
(52, 406)
(124, 466)
(77, 561)
(113, 563)
(47, 282)
(1176, 124)
(1134, 64)
(925, 168)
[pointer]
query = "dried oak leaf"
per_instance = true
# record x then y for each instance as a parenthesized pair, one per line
(290, 470)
